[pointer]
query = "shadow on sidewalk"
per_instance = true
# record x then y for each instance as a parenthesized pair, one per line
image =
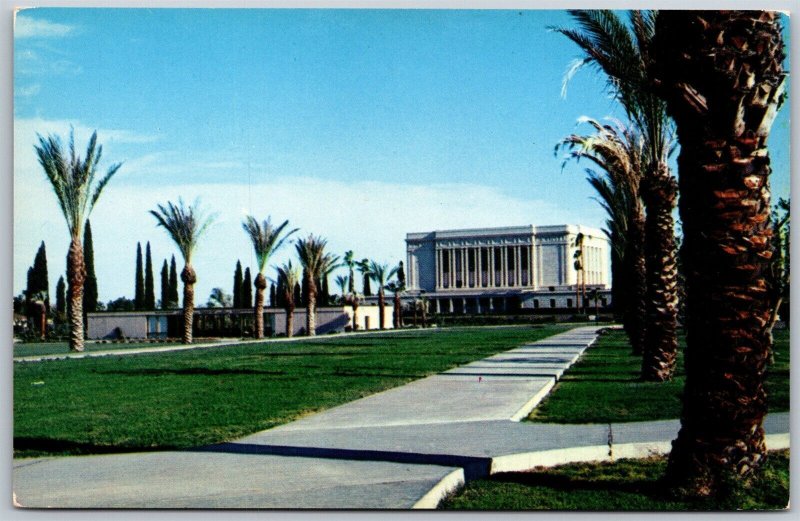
(474, 467)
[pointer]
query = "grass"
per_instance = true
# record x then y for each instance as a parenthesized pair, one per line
(632, 485)
(59, 348)
(190, 398)
(604, 386)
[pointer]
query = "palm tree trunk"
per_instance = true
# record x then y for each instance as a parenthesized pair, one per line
(189, 279)
(290, 321)
(636, 309)
(396, 314)
(619, 283)
(260, 283)
(381, 306)
(355, 316)
(721, 74)
(659, 191)
(76, 275)
(311, 305)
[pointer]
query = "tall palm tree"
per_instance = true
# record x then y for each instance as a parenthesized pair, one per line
(266, 239)
(721, 74)
(350, 261)
(625, 56)
(288, 278)
(363, 268)
(185, 226)
(580, 273)
(315, 262)
(380, 273)
(72, 179)
(618, 153)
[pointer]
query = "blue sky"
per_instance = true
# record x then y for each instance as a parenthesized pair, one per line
(356, 125)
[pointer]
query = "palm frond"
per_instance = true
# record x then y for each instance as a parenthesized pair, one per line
(72, 177)
(185, 225)
(266, 238)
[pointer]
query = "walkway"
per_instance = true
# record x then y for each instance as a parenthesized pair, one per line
(402, 448)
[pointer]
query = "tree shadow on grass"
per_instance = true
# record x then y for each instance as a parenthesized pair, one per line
(31, 446)
(193, 371)
(652, 488)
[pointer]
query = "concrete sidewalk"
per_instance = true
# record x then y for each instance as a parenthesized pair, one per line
(403, 448)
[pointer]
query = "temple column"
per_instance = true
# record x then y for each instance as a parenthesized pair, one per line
(450, 302)
(478, 277)
(464, 269)
(490, 260)
(518, 265)
(504, 260)
(451, 257)
(438, 269)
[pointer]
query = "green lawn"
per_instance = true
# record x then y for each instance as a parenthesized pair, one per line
(189, 398)
(622, 485)
(604, 386)
(58, 348)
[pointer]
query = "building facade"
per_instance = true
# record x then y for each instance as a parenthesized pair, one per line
(228, 322)
(505, 269)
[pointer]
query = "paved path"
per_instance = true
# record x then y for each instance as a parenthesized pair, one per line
(402, 448)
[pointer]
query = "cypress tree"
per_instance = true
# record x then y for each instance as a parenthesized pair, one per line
(90, 285)
(139, 291)
(298, 294)
(165, 286)
(401, 275)
(272, 296)
(280, 293)
(237, 286)
(173, 283)
(149, 289)
(39, 280)
(61, 296)
(30, 288)
(247, 290)
(326, 295)
(303, 292)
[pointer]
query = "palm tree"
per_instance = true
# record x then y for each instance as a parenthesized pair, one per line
(363, 268)
(342, 282)
(315, 262)
(618, 153)
(721, 74)
(72, 179)
(266, 239)
(185, 226)
(396, 288)
(625, 56)
(288, 278)
(594, 294)
(350, 262)
(354, 299)
(380, 273)
(580, 274)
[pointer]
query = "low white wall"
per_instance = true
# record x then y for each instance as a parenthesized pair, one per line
(332, 319)
(104, 325)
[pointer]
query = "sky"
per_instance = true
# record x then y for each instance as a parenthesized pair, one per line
(356, 125)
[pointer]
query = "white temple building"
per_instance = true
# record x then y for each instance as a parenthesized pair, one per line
(505, 269)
